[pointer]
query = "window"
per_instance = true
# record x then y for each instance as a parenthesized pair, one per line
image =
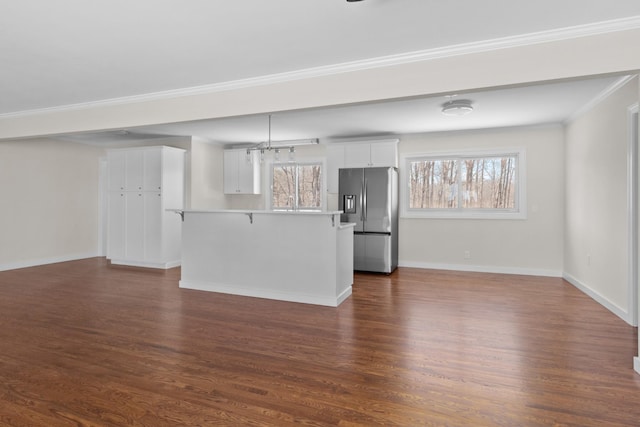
(465, 185)
(296, 186)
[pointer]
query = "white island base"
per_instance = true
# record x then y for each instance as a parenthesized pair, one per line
(290, 256)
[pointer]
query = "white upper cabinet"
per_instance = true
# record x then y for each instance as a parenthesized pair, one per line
(371, 154)
(384, 154)
(241, 176)
(230, 171)
(366, 154)
(357, 155)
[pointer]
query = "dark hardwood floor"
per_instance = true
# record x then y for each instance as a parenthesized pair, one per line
(88, 344)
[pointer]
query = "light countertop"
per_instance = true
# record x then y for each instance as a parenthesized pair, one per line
(258, 212)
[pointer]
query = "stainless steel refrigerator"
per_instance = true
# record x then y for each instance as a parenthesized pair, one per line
(369, 198)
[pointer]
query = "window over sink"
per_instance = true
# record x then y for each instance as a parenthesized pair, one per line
(297, 186)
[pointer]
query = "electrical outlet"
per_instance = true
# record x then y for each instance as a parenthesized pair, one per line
(467, 254)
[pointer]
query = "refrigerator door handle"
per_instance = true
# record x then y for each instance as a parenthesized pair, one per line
(364, 199)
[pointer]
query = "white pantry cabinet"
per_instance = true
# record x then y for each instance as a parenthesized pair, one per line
(361, 154)
(241, 176)
(142, 184)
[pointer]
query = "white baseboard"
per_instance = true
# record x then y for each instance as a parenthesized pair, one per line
(482, 269)
(636, 364)
(267, 294)
(618, 311)
(145, 264)
(343, 296)
(45, 261)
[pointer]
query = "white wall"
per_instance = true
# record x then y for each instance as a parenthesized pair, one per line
(206, 176)
(49, 202)
(596, 225)
(529, 246)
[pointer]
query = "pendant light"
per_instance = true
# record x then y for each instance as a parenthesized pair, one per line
(275, 146)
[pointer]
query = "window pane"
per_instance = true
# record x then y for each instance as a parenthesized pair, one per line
(309, 187)
(433, 184)
(297, 186)
(284, 187)
(489, 183)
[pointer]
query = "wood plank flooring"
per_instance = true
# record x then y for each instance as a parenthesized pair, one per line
(84, 343)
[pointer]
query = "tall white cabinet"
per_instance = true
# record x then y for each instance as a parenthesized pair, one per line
(142, 184)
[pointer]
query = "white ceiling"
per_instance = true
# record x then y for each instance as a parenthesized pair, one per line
(518, 106)
(73, 52)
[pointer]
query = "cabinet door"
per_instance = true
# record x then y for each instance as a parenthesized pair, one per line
(116, 221)
(335, 161)
(134, 170)
(241, 176)
(116, 165)
(357, 155)
(134, 225)
(230, 171)
(153, 213)
(384, 154)
(172, 179)
(152, 179)
(248, 173)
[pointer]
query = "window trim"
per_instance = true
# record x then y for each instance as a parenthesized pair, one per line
(520, 211)
(302, 162)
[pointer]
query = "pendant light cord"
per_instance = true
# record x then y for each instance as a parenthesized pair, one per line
(269, 147)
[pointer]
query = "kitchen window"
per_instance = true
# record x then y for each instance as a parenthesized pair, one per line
(465, 185)
(296, 186)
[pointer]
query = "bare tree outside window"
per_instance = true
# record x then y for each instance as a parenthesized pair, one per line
(309, 187)
(297, 186)
(284, 187)
(463, 183)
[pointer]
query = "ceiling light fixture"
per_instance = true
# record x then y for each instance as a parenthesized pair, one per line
(270, 145)
(457, 107)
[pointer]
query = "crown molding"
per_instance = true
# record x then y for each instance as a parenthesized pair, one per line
(600, 97)
(567, 33)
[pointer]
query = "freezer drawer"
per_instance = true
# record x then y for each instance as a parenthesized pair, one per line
(373, 252)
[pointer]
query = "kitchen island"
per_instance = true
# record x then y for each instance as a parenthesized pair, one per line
(302, 257)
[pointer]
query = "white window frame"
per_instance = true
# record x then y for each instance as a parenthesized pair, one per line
(519, 212)
(323, 184)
